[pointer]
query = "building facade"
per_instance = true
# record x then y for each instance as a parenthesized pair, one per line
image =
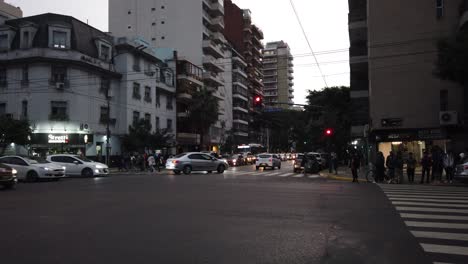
(411, 109)
(72, 82)
(8, 11)
(278, 75)
(192, 27)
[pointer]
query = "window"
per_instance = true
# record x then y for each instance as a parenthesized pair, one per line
(58, 111)
(148, 117)
(24, 109)
(168, 78)
(148, 94)
(169, 104)
(4, 44)
(136, 117)
(2, 109)
(136, 91)
(104, 114)
(196, 157)
(162, 7)
(105, 52)
(158, 98)
(158, 126)
(25, 40)
(129, 12)
(169, 125)
(163, 22)
(136, 64)
(153, 9)
(439, 8)
(129, 27)
(105, 86)
(59, 39)
(25, 75)
(157, 74)
(163, 37)
(3, 77)
(59, 74)
(153, 24)
(443, 100)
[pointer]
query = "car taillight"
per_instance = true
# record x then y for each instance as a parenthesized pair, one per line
(175, 161)
(270, 160)
(465, 167)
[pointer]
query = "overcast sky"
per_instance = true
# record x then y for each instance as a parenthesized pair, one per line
(325, 23)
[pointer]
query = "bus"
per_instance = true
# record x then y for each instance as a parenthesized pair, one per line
(251, 148)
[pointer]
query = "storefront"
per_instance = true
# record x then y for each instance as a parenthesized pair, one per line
(415, 141)
(43, 144)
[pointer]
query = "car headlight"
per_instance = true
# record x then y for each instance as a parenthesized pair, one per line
(99, 167)
(14, 171)
(64, 168)
(45, 168)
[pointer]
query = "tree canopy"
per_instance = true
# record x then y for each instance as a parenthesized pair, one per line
(13, 131)
(203, 113)
(140, 137)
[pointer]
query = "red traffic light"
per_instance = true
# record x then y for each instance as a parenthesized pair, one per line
(328, 132)
(258, 99)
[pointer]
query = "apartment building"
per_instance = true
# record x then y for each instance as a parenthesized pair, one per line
(8, 11)
(71, 81)
(194, 28)
(411, 109)
(278, 75)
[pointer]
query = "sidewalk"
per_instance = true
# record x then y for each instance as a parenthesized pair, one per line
(344, 174)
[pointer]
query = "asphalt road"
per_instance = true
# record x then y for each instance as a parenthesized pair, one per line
(241, 216)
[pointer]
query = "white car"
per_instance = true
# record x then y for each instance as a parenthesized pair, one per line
(267, 160)
(461, 172)
(79, 166)
(33, 168)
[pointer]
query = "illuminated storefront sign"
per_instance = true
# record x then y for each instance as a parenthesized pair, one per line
(58, 139)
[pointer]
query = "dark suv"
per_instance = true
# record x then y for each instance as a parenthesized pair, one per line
(7, 176)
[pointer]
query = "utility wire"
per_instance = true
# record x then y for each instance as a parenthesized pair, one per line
(308, 42)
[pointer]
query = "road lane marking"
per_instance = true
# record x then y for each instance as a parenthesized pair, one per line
(436, 225)
(439, 217)
(287, 174)
(446, 192)
(272, 174)
(430, 209)
(425, 200)
(440, 235)
(298, 176)
(427, 196)
(314, 176)
(431, 204)
(454, 250)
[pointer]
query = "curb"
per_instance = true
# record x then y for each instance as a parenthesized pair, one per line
(334, 177)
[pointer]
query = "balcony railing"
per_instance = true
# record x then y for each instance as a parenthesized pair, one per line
(187, 68)
(59, 117)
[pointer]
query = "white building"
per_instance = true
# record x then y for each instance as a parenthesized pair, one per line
(8, 11)
(192, 27)
(63, 84)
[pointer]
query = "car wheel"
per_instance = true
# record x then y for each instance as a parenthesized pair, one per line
(256, 167)
(187, 170)
(221, 169)
(10, 185)
(279, 167)
(87, 173)
(177, 172)
(209, 172)
(32, 176)
(273, 167)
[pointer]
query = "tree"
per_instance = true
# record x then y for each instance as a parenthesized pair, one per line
(13, 131)
(140, 137)
(203, 113)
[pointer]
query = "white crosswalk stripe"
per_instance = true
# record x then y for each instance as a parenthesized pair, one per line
(437, 216)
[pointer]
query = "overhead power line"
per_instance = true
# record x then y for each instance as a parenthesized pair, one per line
(308, 42)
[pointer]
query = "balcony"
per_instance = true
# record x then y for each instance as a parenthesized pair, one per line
(265, 81)
(215, 8)
(240, 96)
(291, 70)
(269, 73)
(240, 121)
(184, 97)
(183, 115)
(270, 94)
(240, 83)
(209, 62)
(211, 48)
(290, 77)
(212, 79)
(240, 72)
(216, 24)
(190, 73)
(239, 60)
(291, 84)
(218, 38)
(290, 64)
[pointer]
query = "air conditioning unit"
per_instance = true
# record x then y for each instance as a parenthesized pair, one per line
(60, 85)
(448, 118)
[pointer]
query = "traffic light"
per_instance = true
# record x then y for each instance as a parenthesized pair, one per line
(329, 132)
(258, 101)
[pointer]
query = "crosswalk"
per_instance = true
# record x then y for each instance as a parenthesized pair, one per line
(437, 216)
(280, 174)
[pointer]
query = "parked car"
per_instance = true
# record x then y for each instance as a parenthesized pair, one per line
(79, 166)
(297, 163)
(33, 168)
(461, 172)
(267, 160)
(195, 161)
(236, 160)
(313, 165)
(321, 159)
(8, 176)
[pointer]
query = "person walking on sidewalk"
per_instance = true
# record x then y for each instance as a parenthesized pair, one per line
(390, 163)
(449, 165)
(426, 163)
(151, 163)
(355, 164)
(410, 167)
(380, 167)
(333, 163)
(437, 164)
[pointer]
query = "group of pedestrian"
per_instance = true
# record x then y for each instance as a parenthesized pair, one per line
(149, 161)
(433, 163)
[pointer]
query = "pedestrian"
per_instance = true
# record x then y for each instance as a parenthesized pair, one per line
(399, 163)
(151, 163)
(449, 165)
(437, 164)
(355, 164)
(390, 163)
(305, 163)
(410, 167)
(380, 167)
(426, 163)
(333, 163)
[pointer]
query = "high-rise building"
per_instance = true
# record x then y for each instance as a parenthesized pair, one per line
(411, 109)
(8, 11)
(278, 75)
(194, 28)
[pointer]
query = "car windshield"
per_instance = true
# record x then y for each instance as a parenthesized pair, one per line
(37, 160)
(84, 159)
(180, 156)
(264, 156)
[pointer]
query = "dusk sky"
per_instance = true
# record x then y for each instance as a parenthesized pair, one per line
(325, 23)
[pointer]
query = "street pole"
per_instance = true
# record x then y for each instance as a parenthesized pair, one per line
(108, 133)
